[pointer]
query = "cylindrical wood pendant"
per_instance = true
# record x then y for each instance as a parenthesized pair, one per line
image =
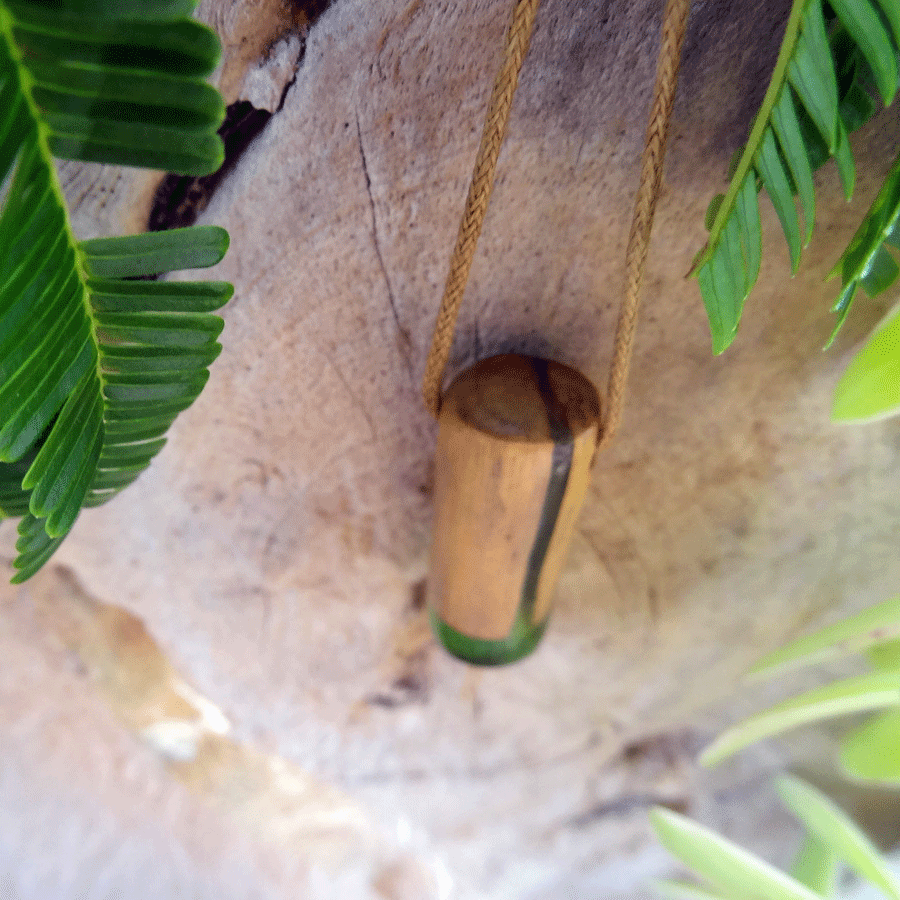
(516, 439)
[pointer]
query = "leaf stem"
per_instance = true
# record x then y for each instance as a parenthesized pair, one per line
(776, 85)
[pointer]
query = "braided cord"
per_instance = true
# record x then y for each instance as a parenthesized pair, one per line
(673, 31)
(518, 38)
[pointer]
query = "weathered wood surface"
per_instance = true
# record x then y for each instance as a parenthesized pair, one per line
(276, 548)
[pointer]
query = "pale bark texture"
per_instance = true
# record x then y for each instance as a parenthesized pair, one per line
(276, 548)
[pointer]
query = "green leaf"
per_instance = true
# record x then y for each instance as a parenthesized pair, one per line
(155, 252)
(159, 296)
(34, 546)
(13, 499)
(863, 22)
(94, 368)
(881, 273)
(768, 165)
(817, 94)
(730, 869)
(817, 867)
(179, 47)
(124, 9)
(851, 635)
(865, 261)
(870, 387)
(713, 209)
(835, 828)
(857, 107)
(891, 10)
(885, 657)
(811, 71)
(787, 128)
(872, 751)
(850, 695)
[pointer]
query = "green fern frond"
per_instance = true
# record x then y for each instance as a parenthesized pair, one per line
(820, 91)
(95, 365)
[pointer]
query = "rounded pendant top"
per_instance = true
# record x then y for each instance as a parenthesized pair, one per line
(523, 398)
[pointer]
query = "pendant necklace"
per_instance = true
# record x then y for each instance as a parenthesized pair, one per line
(517, 435)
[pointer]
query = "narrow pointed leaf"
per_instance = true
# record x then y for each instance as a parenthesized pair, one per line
(833, 826)
(849, 636)
(872, 751)
(817, 867)
(728, 868)
(843, 156)
(768, 164)
(880, 274)
(747, 210)
(891, 10)
(850, 695)
(179, 47)
(125, 9)
(713, 209)
(812, 75)
(787, 129)
(864, 24)
(115, 83)
(885, 657)
(34, 546)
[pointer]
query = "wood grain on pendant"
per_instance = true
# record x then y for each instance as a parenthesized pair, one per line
(515, 444)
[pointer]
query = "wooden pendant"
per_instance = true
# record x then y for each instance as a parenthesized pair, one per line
(516, 439)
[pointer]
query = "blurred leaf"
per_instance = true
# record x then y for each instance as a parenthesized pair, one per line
(851, 635)
(817, 867)
(885, 657)
(729, 869)
(872, 751)
(866, 692)
(818, 93)
(870, 387)
(835, 828)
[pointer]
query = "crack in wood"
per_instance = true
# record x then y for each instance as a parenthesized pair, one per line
(404, 338)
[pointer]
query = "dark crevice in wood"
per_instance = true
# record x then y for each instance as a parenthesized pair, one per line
(181, 198)
(311, 9)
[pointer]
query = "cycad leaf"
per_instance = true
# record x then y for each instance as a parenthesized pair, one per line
(817, 94)
(177, 46)
(731, 870)
(862, 21)
(851, 635)
(834, 827)
(155, 252)
(768, 164)
(131, 109)
(872, 751)
(787, 127)
(125, 9)
(860, 694)
(94, 368)
(811, 72)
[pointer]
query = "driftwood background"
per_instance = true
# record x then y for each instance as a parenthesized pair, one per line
(273, 555)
